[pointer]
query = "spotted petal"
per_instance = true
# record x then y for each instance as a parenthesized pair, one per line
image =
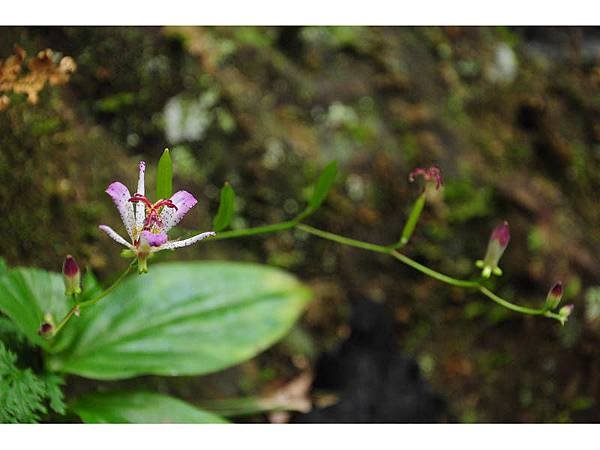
(113, 234)
(120, 195)
(186, 242)
(140, 208)
(171, 216)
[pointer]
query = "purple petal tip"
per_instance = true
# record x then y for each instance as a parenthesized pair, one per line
(501, 234)
(557, 289)
(70, 267)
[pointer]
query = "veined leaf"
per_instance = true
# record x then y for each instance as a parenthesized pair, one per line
(183, 319)
(164, 176)
(226, 208)
(139, 407)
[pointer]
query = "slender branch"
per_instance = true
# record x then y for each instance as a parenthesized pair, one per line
(109, 289)
(434, 274)
(281, 226)
(388, 250)
(517, 308)
(79, 306)
(344, 240)
(65, 319)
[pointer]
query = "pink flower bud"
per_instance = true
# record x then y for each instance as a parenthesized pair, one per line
(431, 175)
(554, 296)
(71, 276)
(498, 242)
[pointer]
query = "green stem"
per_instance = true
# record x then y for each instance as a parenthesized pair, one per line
(432, 273)
(343, 240)
(65, 319)
(109, 289)
(79, 306)
(281, 226)
(411, 223)
(388, 250)
(520, 309)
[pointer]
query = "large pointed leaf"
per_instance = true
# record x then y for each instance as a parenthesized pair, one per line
(226, 208)
(184, 319)
(164, 176)
(323, 185)
(139, 407)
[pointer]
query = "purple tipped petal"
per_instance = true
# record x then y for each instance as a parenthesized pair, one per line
(184, 201)
(501, 234)
(153, 239)
(120, 195)
(186, 242)
(113, 234)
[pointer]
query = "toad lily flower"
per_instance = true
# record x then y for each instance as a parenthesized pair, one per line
(147, 223)
(498, 243)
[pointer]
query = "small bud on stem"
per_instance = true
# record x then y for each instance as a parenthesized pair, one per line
(499, 240)
(554, 296)
(46, 329)
(71, 276)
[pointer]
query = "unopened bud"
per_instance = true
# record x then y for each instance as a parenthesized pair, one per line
(71, 276)
(46, 329)
(496, 246)
(554, 296)
(565, 312)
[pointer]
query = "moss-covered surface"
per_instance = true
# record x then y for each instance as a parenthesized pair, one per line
(511, 117)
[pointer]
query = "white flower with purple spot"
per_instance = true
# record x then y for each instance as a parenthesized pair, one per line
(147, 223)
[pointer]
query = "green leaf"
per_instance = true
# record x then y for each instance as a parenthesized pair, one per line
(183, 319)
(22, 393)
(323, 186)
(54, 392)
(139, 407)
(27, 294)
(3, 266)
(164, 176)
(226, 208)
